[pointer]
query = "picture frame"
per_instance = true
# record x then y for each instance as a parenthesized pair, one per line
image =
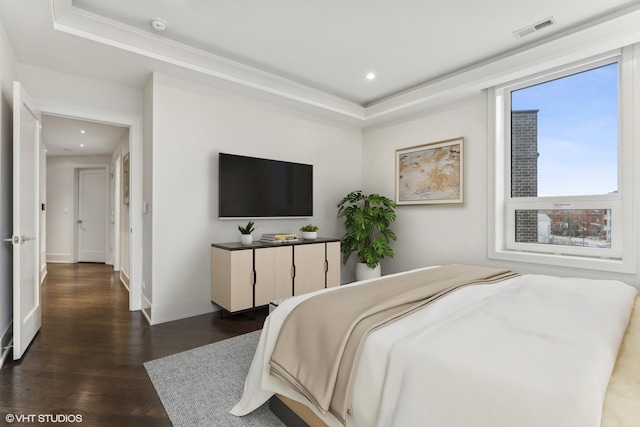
(125, 179)
(431, 173)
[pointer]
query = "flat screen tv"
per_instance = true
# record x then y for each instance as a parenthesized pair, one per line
(250, 187)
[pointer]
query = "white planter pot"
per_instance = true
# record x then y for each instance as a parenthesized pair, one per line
(364, 272)
(246, 239)
(309, 235)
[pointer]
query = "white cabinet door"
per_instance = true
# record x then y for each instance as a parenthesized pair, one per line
(232, 279)
(309, 262)
(273, 274)
(333, 264)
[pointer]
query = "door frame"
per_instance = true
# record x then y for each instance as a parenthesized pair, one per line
(117, 200)
(76, 207)
(134, 124)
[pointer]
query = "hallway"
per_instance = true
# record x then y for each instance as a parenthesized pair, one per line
(87, 358)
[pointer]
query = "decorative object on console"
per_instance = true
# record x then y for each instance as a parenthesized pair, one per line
(431, 173)
(309, 232)
(279, 238)
(246, 238)
(367, 220)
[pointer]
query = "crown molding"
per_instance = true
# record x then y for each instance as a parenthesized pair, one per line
(609, 33)
(77, 22)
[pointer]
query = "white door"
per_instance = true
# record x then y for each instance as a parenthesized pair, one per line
(26, 284)
(92, 215)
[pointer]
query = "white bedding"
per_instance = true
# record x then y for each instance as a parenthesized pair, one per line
(530, 351)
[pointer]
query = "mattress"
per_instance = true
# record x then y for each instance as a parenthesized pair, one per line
(622, 399)
(619, 405)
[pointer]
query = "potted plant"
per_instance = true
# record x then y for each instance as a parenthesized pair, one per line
(309, 232)
(246, 238)
(367, 220)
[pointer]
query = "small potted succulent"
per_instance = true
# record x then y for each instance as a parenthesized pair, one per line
(309, 232)
(245, 237)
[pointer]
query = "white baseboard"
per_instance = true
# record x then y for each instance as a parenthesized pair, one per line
(124, 279)
(60, 258)
(161, 313)
(146, 308)
(6, 342)
(43, 273)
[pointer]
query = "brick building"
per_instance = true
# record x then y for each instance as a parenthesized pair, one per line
(580, 222)
(524, 170)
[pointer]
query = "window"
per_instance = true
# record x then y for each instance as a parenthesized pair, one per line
(559, 172)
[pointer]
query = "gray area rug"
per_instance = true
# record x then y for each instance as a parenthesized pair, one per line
(198, 387)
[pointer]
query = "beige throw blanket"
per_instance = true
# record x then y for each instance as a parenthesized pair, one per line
(320, 341)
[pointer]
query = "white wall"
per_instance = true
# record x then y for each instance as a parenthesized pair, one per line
(147, 196)
(52, 88)
(434, 234)
(8, 71)
(191, 125)
(61, 203)
(442, 234)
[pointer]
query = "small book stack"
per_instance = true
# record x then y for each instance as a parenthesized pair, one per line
(279, 238)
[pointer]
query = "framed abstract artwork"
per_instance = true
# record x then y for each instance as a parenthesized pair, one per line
(431, 173)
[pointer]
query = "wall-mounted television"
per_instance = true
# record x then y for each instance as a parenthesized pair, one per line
(250, 187)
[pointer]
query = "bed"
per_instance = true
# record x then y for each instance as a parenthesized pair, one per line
(528, 350)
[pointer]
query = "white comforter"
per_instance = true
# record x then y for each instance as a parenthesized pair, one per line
(530, 351)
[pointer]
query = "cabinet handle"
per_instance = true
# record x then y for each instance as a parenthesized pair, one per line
(326, 266)
(293, 271)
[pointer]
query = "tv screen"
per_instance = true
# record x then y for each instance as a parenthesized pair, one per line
(250, 187)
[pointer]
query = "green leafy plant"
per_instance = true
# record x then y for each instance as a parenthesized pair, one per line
(309, 228)
(248, 229)
(367, 220)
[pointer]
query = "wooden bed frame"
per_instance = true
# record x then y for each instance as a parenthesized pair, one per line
(621, 404)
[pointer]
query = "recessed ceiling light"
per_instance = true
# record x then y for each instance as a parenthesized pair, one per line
(371, 76)
(81, 145)
(158, 24)
(82, 131)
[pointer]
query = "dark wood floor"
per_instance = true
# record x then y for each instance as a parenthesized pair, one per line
(87, 358)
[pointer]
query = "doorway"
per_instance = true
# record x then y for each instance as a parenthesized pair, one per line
(123, 240)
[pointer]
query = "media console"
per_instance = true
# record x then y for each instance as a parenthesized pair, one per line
(244, 277)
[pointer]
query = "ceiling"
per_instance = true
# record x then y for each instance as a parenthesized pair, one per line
(333, 45)
(70, 137)
(309, 52)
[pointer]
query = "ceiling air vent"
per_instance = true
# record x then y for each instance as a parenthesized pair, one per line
(530, 29)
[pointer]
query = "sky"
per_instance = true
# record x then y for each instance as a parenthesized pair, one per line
(577, 132)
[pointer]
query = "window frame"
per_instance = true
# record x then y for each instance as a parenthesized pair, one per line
(502, 245)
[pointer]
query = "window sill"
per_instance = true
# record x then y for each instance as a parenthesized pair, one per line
(571, 261)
